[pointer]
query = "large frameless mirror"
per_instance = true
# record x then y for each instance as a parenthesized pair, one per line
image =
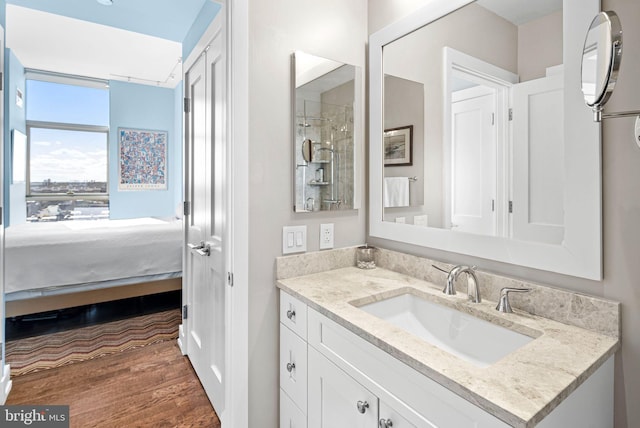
(325, 127)
(480, 143)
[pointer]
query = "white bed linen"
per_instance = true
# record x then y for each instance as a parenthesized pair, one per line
(46, 255)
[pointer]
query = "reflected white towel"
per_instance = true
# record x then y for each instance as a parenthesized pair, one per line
(396, 192)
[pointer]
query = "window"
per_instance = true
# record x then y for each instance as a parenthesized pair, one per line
(67, 131)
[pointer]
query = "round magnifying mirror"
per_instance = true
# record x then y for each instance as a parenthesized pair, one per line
(601, 59)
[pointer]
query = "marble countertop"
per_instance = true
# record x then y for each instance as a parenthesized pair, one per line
(520, 389)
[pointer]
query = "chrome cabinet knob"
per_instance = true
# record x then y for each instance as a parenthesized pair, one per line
(385, 423)
(291, 314)
(290, 367)
(362, 406)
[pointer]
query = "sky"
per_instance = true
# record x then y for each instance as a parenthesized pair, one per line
(62, 155)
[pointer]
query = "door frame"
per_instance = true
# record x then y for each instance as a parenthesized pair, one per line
(474, 69)
(233, 19)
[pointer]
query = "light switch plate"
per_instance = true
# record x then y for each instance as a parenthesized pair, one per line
(294, 239)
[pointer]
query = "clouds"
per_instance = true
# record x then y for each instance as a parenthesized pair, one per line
(66, 156)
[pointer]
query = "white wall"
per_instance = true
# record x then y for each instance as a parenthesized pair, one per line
(621, 210)
(333, 29)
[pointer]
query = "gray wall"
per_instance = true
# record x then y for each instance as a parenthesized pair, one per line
(539, 46)
(621, 210)
(333, 29)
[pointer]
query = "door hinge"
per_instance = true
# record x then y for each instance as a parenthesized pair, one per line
(230, 279)
(1, 217)
(186, 208)
(1, 81)
(185, 312)
(510, 114)
(187, 105)
(510, 207)
(493, 204)
(493, 119)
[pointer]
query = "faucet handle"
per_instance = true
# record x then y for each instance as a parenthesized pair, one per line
(503, 303)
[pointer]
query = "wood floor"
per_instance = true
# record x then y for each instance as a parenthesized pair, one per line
(152, 386)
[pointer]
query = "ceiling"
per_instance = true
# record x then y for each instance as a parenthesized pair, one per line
(521, 11)
(133, 40)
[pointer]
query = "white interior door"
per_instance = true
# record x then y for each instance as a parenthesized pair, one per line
(206, 257)
(473, 163)
(538, 160)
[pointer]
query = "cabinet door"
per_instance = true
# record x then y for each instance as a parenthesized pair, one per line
(290, 415)
(293, 367)
(401, 418)
(335, 399)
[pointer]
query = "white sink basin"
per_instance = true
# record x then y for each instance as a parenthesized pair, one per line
(472, 339)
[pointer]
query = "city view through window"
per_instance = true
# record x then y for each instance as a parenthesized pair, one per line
(68, 152)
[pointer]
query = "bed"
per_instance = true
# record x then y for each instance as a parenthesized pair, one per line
(70, 263)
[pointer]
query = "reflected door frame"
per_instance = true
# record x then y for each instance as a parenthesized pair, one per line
(458, 64)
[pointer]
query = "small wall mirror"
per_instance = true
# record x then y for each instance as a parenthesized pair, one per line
(601, 60)
(324, 133)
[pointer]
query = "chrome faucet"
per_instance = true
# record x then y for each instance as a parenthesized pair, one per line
(473, 290)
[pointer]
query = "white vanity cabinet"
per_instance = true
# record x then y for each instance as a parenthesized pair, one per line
(293, 362)
(332, 378)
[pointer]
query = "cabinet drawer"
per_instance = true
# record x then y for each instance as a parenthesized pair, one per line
(293, 367)
(293, 314)
(290, 415)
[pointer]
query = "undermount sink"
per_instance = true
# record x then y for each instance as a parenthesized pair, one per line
(472, 339)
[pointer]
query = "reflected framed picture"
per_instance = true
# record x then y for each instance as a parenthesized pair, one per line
(398, 146)
(142, 159)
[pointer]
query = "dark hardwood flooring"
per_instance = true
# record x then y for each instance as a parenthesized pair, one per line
(152, 386)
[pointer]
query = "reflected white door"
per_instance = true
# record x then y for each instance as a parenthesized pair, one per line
(473, 164)
(206, 257)
(538, 160)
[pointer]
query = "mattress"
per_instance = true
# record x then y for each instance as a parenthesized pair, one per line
(90, 254)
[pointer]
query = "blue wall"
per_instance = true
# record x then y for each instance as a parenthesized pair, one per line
(144, 107)
(203, 19)
(14, 119)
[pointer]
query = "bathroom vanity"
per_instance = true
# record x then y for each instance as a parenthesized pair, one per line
(347, 359)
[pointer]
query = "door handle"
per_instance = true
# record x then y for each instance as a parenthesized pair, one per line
(202, 249)
(196, 247)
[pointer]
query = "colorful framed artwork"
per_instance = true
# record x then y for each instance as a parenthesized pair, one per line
(142, 159)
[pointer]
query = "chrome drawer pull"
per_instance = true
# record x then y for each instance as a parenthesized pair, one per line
(290, 367)
(385, 423)
(291, 314)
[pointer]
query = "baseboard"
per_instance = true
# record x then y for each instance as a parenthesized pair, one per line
(5, 384)
(181, 340)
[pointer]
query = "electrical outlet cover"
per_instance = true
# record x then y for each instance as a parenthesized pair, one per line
(326, 236)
